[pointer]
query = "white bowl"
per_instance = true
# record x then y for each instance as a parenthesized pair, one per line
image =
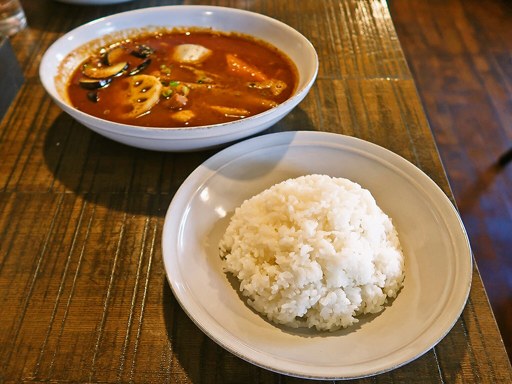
(55, 69)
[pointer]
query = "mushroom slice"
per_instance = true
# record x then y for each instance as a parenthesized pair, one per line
(142, 51)
(191, 53)
(199, 85)
(142, 66)
(230, 111)
(113, 55)
(106, 71)
(143, 94)
(275, 86)
(202, 76)
(88, 83)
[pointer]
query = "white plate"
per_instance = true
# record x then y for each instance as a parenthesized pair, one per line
(436, 247)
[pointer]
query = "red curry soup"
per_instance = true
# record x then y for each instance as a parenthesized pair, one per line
(182, 78)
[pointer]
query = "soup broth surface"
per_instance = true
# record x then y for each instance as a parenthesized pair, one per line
(182, 78)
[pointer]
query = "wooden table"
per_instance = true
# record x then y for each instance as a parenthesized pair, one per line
(84, 293)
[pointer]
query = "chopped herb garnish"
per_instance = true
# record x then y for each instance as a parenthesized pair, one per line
(165, 69)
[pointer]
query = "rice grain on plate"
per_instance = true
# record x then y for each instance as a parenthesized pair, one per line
(314, 251)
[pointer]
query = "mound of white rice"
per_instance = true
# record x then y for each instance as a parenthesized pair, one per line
(314, 251)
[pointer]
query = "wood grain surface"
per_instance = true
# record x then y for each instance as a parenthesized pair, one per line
(459, 54)
(84, 293)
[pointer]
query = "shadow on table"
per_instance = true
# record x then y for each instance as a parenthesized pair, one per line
(201, 358)
(125, 178)
(49, 17)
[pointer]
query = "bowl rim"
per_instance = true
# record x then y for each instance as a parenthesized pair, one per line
(48, 81)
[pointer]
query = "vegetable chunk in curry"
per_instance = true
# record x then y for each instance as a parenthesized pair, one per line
(182, 78)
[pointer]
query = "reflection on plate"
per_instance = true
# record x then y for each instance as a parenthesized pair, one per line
(438, 256)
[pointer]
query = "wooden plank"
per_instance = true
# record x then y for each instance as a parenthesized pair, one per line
(457, 52)
(81, 271)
